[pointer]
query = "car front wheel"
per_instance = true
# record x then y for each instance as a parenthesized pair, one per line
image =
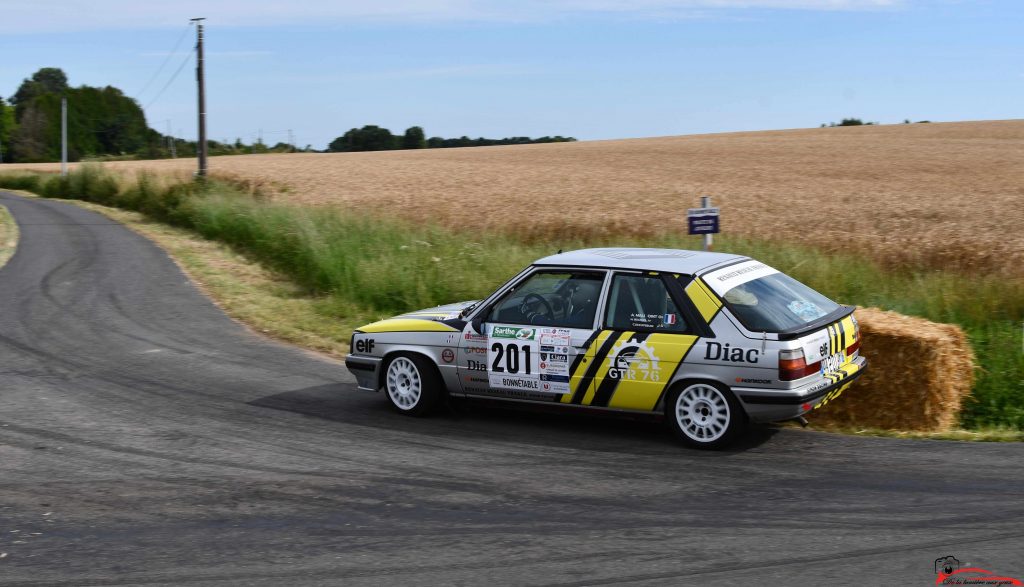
(412, 384)
(704, 415)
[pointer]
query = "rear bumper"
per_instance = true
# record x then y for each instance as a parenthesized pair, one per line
(772, 405)
(366, 371)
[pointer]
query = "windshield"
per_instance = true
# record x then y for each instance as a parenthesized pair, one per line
(777, 302)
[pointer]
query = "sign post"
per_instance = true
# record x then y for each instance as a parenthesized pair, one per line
(703, 221)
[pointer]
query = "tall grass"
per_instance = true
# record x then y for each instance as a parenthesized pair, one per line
(365, 264)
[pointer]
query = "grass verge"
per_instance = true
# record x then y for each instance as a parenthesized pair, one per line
(8, 236)
(355, 268)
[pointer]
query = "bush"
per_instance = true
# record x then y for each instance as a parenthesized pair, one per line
(93, 184)
(20, 181)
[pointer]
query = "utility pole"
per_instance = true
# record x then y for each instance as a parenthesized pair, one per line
(170, 141)
(291, 139)
(201, 81)
(63, 136)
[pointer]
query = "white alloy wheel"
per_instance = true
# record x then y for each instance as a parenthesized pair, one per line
(702, 413)
(404, 384)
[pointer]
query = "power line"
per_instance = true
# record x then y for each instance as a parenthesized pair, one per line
(170, 81)
(173, 52)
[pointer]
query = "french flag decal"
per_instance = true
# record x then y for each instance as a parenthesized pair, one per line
(669, 318)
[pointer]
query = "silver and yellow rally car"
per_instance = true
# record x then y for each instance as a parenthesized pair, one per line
(710, 340)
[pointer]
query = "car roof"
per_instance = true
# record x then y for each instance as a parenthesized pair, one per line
(666, 260)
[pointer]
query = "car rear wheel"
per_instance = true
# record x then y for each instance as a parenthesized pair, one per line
(412, 384)
(704, 415)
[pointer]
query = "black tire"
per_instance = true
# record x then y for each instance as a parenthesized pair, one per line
(412, 384)
(704, 415)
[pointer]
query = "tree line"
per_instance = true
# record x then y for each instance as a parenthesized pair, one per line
(105, 124)
(374, 138)
(859, 122)
(101, 121)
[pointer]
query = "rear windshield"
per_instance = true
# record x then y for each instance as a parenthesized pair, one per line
(776, 303)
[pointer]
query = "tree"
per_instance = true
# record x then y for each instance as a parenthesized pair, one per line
(101, 121)
(373, 138)
(48, 80)
(342, 143)
(414, 138)
(850, 122)
(6, 130)
(28, 142)
(282, 147)
(368, 138)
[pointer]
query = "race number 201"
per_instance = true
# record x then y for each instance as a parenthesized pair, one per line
(509, 357)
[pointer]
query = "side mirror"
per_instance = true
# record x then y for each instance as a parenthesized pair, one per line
(478, 324)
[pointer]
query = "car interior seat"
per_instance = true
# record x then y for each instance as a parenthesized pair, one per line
(583, 303)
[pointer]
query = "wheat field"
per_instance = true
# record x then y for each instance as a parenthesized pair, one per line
(939, 195)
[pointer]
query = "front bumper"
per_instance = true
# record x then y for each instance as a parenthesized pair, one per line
(366, 371)
(772, 405)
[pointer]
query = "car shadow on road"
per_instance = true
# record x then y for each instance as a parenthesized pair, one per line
(480, 420)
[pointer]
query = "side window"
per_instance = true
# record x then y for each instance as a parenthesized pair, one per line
(567, 299)
(639, 302)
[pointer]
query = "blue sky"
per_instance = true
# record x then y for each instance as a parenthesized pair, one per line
(593, 69)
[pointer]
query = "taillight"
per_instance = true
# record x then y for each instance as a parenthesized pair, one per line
(793, 365)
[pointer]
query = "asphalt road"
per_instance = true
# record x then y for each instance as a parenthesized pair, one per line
(145, 438)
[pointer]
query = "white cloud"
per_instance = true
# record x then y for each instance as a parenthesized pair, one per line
(33, 16)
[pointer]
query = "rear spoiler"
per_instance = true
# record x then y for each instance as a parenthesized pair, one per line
(818, 324)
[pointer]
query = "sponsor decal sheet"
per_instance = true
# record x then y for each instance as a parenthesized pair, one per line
(529, 358)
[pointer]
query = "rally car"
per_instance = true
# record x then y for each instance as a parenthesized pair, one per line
(712, 341)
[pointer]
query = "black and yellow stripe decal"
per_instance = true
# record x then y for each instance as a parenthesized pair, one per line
(591, 384)
(833, 395)
(849, 330)
(840, 336)
(581, 353)
(585, 367)
(641, 394)
(705, 300)
(602, 366)
(605, 386)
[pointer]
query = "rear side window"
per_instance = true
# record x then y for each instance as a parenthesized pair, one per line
(776, 302)
(638, 302)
